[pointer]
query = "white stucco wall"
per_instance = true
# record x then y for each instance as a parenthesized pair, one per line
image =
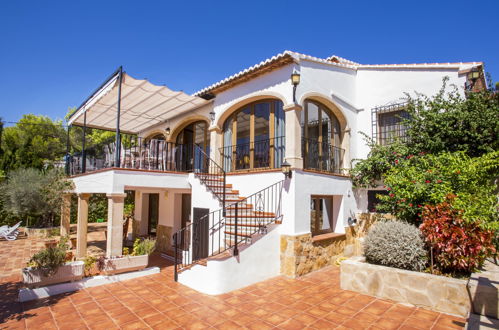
(116, 181)
(256, 262)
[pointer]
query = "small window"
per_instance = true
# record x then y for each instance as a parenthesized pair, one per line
(321, 215)
(389, 123)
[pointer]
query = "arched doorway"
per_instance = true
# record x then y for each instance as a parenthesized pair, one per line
(191, 141)
(321, 138)
(254, 136)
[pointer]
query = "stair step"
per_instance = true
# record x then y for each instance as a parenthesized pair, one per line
(244, 225)
(229, 185)
(238, 234)
(251, 216)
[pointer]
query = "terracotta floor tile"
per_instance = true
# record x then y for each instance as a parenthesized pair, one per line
(418, 323)
(228, 325)
(385, 323)
(323, 324)
(259, 325)
(424, 314)
(305, 318)
(124, 318)
(450, 322)
(292, 324)
(134, 325)
(377, 307)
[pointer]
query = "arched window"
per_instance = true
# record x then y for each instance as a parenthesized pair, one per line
(192, 135)
(254, 136)
(321, 136)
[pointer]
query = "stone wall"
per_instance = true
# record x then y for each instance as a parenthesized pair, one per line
(164, 238)
(302, 254)
(438, 293)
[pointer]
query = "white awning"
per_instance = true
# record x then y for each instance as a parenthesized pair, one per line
(142, 105)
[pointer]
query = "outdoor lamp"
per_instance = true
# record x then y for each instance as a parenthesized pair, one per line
(472, 77)
(474, 74)
(167, 131)
(286, 169)
(212, 116)
(295, 80)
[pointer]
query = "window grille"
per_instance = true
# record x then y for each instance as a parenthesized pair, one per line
(388, 123)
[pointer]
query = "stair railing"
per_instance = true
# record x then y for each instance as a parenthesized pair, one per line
(210, 174)
(228, 227)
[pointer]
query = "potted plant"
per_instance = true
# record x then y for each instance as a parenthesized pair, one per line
(49, 266)
(136, 261)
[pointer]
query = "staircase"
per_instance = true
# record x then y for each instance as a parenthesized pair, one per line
(238, 221)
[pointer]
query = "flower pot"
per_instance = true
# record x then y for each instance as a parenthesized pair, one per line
(125, 264)
(72, 271)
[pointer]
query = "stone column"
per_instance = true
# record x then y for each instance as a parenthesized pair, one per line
(216, 142)
(65, 214)
(137, 214)
(293, 135)
(81, 227)
(114, 244)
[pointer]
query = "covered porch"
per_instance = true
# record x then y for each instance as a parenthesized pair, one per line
(128, 109)
(158, 204)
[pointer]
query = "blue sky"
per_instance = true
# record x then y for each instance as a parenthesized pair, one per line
(53, 54)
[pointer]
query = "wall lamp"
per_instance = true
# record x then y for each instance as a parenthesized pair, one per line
(212, 116)
(286, 169)
(295, 80)
(472, 76)
(167, 131)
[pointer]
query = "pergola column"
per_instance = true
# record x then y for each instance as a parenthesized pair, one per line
(293, 135)
(215, 144)
(65, 214)
(115, 206)
(82, 226)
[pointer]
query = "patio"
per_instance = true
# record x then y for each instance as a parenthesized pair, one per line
(157, 302)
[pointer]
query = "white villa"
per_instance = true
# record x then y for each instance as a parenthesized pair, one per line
(246, 179)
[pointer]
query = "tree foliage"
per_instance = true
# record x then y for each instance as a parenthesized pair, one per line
(35, 141)
(450, 121)
(416, 181)
(34, 196)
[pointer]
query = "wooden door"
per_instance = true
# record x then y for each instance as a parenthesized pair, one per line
(200, 239)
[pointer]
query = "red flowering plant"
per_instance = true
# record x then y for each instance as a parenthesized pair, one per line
(459, 246)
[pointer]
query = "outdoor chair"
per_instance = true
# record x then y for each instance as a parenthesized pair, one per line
(10, 233)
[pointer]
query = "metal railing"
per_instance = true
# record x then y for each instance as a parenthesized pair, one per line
(136, 153)
(265, 153)
(210, 174)
(227, 228)
(322, 156)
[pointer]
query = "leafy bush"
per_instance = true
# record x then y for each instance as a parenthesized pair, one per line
(50, 259)
(33, 194)
(418, 180)
(458, 245)
(395, 244)
(144, 246)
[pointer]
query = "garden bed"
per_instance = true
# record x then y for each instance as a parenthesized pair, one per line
(125, 264)
(438, 293)
(42, 232)
(69, 272)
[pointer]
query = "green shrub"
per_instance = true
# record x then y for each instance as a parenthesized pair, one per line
(395, 244)
(142, 247)
(419, 180)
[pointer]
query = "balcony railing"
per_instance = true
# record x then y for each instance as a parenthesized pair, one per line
(322, 156)
(268, 153)
(136, 153)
